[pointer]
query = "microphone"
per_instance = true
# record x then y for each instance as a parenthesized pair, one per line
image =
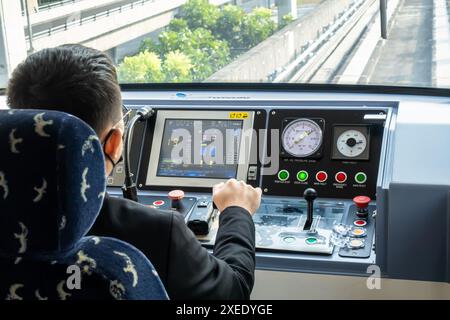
(129, 189)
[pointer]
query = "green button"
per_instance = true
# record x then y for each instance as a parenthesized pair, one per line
(283, 175)
(360, 177)
(311, 240)
(289, 239)
(302, 176)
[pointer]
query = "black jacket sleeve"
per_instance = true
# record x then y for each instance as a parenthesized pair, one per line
(228, 273)
(186, 268)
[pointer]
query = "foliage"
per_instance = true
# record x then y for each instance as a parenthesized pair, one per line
(229, 26)
(206, 53)
(177, 67)
(287, 19)
(257, 26)
(199, 14)
(201, 39)
(141, 68)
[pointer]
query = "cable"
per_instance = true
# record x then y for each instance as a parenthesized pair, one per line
(129, 189)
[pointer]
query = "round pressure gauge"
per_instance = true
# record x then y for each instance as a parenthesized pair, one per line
(351, 143)
(301, 138)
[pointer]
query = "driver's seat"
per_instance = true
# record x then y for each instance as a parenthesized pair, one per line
(52, 184)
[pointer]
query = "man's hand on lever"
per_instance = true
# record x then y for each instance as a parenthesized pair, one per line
(236, 193)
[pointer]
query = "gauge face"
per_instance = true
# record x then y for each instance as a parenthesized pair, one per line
(351, 143)
(302, 138)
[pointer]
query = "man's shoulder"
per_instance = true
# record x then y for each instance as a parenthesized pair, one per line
(119, 211)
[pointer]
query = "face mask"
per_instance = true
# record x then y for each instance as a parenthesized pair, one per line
(107, 155)
(126, 113)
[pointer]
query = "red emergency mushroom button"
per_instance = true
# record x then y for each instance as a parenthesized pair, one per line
(175, 197)
(362, 203)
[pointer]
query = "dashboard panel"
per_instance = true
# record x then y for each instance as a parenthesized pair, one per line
(284, 150)
(334, 150)
(352, 147)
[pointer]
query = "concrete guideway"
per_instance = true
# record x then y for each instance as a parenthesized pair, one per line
(353, 66)
(330, 54)
(406, 57)
(277, 56)
(417, 51)
(441, 33)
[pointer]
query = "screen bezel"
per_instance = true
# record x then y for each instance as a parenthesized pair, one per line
(152, 179)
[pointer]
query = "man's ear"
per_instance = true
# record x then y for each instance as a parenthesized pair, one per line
(113, 146)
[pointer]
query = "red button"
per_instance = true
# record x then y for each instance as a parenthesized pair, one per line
(321, 176)
(362, 202)
(176, 195)
(158, 203)
(360, 223)
(341, 177)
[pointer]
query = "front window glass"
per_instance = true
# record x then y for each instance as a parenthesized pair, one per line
(296, 41)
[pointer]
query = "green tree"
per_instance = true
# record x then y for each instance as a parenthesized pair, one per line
(201, 40)
(206, 53)
(229, 26)
(148, 45)
(257, 26)
(177, 67)
(141, 68)
(199, 14)
(178, 25)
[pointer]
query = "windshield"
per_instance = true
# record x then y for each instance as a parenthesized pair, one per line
(379, 42)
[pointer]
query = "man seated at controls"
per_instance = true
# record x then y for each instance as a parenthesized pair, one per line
(83, 82)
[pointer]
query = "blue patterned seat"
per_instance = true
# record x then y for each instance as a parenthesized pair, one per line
(52, 184)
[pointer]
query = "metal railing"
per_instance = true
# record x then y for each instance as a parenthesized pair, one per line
(84, 20)
(52, 5)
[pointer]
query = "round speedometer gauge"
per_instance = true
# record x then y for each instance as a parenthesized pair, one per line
(301, 138)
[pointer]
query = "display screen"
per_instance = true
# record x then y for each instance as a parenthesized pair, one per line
(200, 148)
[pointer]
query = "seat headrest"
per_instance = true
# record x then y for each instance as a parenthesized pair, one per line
(52, 182)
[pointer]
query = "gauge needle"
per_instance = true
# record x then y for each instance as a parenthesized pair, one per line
(302, 136)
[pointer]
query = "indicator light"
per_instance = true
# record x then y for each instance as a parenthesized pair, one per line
(283, 175)
(321, 176)
(340, 177)
(158, 203)
(360, 223)
(356, 243)
(302, 176)
(360, 177)
(289, 239)
(311, 240)
(358, 232)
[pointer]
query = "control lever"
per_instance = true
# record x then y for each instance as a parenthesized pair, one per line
(309, 195)
(201, 218)
(175, 197)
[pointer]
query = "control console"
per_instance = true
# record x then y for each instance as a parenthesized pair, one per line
(317, 168)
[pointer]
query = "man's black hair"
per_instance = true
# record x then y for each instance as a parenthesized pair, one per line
(71, 78)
